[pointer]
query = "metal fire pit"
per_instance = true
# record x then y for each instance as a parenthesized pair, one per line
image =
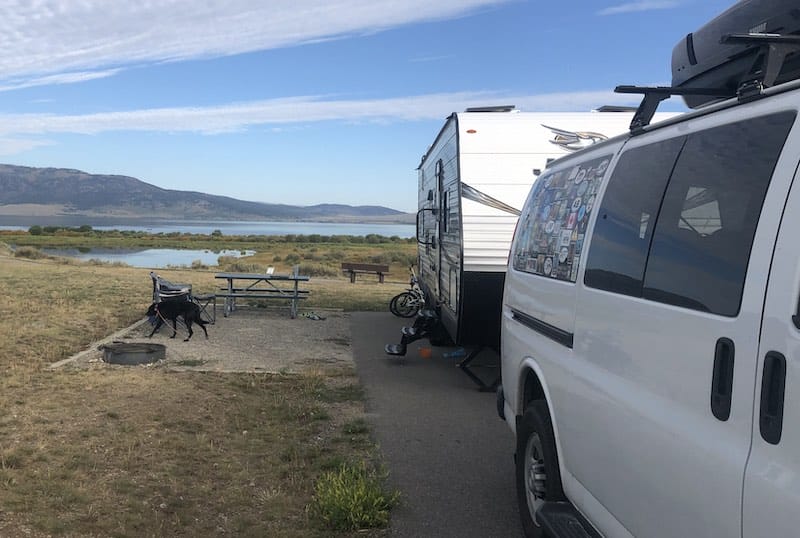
(132, 353)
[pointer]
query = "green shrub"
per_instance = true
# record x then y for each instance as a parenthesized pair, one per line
(352, 498)
(35, 230)
(226, 260)
(336, 255)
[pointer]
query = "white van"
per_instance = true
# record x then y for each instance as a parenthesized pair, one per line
(651, 328)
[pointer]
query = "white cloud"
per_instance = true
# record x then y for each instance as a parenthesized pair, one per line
(12, 146)
(279, 113)
(56, 36)
(643, 5)
(60, 78)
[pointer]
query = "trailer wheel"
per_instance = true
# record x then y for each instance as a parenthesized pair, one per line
(537, 473)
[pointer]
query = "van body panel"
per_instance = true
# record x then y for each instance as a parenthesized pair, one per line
(641, 451)
(772, 481)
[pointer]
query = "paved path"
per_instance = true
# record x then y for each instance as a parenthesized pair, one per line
(446, 449)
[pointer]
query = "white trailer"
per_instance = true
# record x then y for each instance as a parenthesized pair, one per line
(473, 181)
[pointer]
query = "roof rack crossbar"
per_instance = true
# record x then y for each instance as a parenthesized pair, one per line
(766, 68)
(653, 95)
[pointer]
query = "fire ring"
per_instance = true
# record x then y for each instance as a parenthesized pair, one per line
(133, 353)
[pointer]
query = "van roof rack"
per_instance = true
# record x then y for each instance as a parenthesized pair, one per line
(653, 95)
(772, 50)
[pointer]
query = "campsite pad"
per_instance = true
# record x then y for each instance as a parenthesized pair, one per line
(250, 340)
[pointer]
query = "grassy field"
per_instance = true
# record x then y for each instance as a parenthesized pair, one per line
(316, 254)
(147, 452)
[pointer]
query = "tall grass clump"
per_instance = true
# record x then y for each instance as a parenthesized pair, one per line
(318, 269)
(352, 498)
(235, 265)
(31, 253)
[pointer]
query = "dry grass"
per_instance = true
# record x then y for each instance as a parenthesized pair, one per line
(146, 452)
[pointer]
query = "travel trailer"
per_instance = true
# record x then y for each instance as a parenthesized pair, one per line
(650, 321)
(472, 183)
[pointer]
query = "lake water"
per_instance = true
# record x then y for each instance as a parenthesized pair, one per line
(151, 257)
(226, 227)
(162, 257)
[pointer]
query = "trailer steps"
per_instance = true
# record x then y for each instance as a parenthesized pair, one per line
(409, 331)
(426, 321)
(398, 350)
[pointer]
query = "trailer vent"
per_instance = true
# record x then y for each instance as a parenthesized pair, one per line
(499, 108)
(615, 108)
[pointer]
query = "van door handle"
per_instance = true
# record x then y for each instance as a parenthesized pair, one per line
(722, 379)
(773, 384)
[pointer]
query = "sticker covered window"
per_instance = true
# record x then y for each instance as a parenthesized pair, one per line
(554, 222)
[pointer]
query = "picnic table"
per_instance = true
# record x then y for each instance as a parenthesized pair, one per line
(262, 286)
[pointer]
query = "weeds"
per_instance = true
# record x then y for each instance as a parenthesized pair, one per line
(352, 498)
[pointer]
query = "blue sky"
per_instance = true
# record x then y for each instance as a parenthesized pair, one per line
(305, 101)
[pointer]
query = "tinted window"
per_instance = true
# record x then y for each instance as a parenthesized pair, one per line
(553, 223)
(624, 225)
(704, 233)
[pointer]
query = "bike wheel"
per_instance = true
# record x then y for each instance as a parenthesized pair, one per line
(404, 305)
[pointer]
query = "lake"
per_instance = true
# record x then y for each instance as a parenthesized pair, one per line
(226, 227)
(148, 258)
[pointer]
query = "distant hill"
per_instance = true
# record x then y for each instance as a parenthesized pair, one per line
(61, 191)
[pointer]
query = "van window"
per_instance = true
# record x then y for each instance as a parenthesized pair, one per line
(704, 232)
(553, 223)
(624, 224)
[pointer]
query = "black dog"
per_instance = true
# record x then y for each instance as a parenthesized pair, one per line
(171, 310)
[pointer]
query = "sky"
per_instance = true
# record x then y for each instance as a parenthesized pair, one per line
(306, 101)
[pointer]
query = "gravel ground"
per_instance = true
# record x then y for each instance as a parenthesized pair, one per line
(250, 340)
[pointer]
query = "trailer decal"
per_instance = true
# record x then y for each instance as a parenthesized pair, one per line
(471, 193)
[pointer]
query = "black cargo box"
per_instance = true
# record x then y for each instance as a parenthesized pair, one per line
(700, 60)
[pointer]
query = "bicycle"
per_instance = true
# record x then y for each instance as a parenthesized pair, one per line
(408, 303)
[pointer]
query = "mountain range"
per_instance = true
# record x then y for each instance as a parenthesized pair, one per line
(66, 192)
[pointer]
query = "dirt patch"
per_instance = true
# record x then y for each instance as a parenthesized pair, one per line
(250, 340)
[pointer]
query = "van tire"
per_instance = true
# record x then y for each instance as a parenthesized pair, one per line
(536, 451)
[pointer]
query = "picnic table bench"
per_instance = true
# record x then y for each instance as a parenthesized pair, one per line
(262, 286)
(353, 268)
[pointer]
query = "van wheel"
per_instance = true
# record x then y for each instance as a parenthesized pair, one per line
(538, 477)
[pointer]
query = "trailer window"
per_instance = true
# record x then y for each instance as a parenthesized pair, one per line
(553, 224)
